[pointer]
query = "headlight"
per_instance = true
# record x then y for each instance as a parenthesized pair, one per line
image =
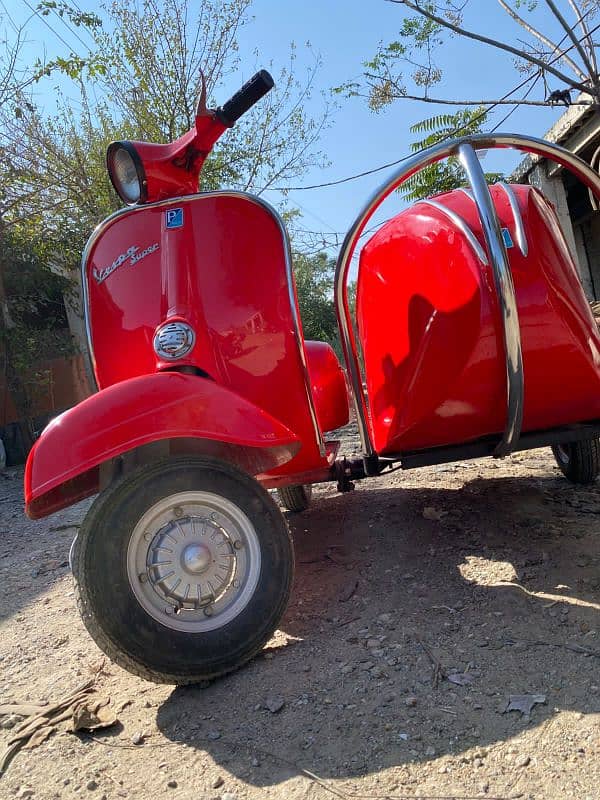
(126, 172)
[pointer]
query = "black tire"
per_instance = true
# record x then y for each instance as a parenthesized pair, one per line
(579, 461)
(116, 619)
(295, 498)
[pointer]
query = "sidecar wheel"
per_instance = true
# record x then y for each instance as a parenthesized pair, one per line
(579, 461)
(295, 498)
(183, 569)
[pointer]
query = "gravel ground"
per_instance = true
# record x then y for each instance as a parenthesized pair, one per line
(423, 602)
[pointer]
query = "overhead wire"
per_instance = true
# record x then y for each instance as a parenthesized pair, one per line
(449, 135)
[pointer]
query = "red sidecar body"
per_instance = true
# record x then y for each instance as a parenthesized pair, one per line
(430, 326)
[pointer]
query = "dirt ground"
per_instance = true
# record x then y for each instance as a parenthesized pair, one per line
(423, 601)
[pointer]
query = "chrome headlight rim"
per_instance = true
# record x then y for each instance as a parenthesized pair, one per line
(130, 150)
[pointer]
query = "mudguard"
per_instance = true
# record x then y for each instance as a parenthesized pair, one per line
(191, 413)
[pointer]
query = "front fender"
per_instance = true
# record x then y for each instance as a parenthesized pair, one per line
(64, 464)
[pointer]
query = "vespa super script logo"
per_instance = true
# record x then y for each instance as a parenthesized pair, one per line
(130, 257)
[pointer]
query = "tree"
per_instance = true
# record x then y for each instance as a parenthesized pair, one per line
(446, 175)
(313, 285)
(139, 80)
(407, 68)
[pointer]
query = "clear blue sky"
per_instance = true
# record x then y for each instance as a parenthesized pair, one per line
(345, 33)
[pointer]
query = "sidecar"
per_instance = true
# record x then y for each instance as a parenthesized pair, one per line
(473, 327)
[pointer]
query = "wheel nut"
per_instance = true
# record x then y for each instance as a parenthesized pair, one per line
(178, 511)
(238, 544)
(147, 536)
(142, 577)
(208, 611)
(236, 584)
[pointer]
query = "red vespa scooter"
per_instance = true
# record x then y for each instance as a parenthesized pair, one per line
(468, 305)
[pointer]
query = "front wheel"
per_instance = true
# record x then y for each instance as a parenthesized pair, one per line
(183, 569)
(579, 461)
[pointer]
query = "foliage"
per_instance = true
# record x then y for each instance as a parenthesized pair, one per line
(35, 326)
(446, 175)
(313, 283)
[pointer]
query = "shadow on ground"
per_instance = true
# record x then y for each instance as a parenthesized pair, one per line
(400, 597)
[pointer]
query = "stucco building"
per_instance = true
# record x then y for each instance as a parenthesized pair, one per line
(578, 130)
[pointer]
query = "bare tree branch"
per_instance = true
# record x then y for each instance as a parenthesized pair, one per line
(569, 31)
(400, 95)
(587, 39)
(544, 39)
(414, 6)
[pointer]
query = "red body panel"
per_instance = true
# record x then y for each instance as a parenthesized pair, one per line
(137, 412)
(328, 385)
(430, 328)
(224, 271)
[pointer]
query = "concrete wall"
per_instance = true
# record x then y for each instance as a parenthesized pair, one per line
(554, 190)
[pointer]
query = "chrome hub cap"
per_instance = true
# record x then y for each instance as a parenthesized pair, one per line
(193, 561)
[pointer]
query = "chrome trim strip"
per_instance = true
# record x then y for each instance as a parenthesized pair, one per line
(520, 234)
(461, 224)
(410, 167)
(515, 384)
(102, 227)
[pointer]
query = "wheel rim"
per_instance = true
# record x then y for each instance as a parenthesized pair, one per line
(193, 561)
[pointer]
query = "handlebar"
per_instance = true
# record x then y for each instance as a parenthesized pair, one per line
(245, 98)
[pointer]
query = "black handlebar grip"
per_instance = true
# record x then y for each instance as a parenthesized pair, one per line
(245, 98)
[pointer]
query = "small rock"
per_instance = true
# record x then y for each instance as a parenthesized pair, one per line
(522, 761)
(433, 514)
(255, 762)
(217, 782)
(411, 701)
(91, 785)
(172, 784)
(430, 752)
(274, 704)
(228, 796)
(25, 792)
(9, 722)
(460, 678)
(214, 735)
(138, 738)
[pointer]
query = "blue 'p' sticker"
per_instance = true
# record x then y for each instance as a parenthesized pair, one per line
(507, 238)
(174, 217)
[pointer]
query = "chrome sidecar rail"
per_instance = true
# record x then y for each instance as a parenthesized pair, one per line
(505, 290)
(465, 149)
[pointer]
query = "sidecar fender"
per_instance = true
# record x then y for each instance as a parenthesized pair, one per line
(151, 416)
